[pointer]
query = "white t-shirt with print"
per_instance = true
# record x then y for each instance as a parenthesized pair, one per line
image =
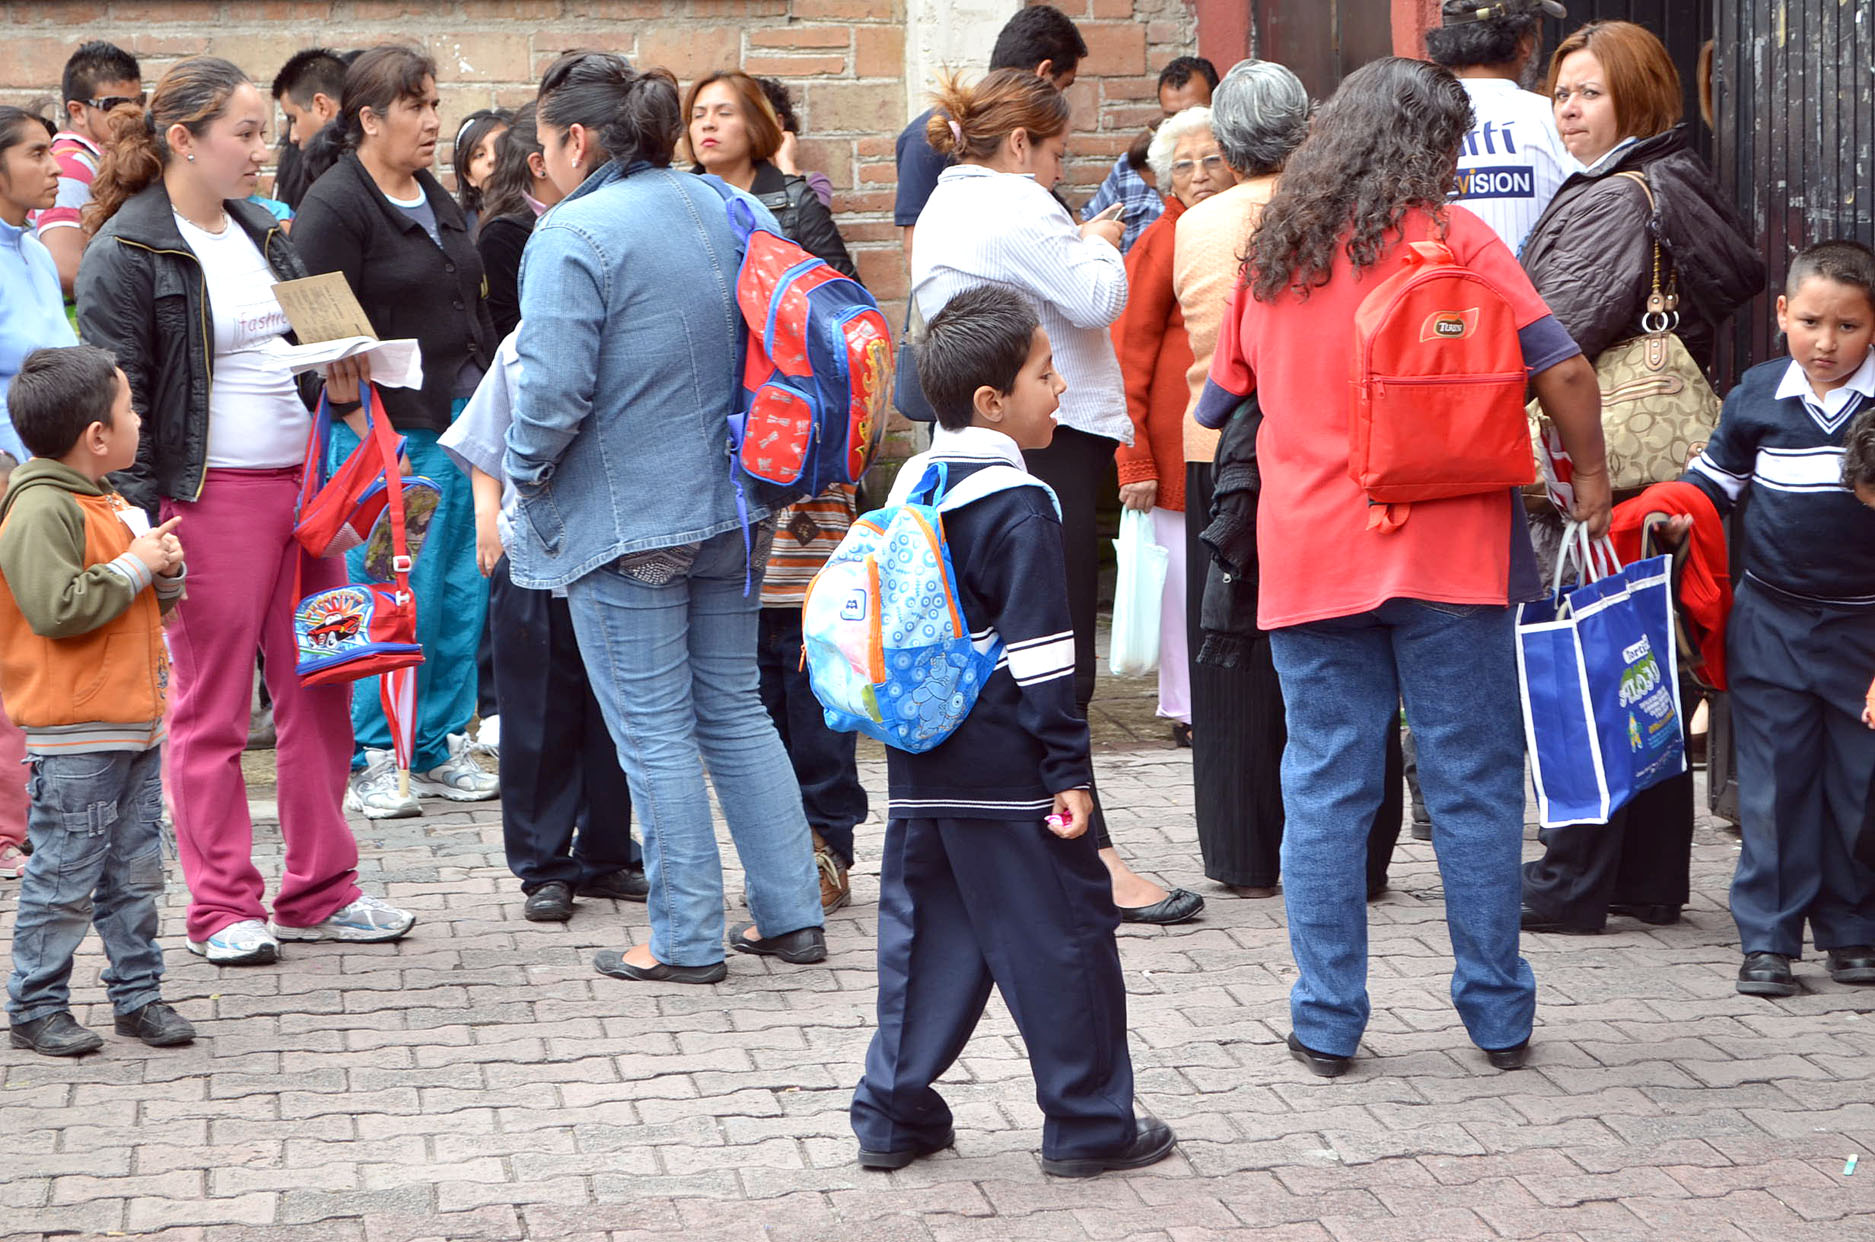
(256, 420)
(1513, 160)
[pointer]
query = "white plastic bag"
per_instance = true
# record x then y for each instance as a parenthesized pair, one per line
(1138, 596)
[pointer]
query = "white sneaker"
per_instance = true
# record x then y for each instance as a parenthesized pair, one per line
(459, 778)
(487, 738)
(247, 943)
(364, 920)
(373, 792)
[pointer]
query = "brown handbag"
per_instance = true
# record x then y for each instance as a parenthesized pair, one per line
(1658, 408)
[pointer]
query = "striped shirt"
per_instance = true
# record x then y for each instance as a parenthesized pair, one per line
(806, 533)
(78, 159)
(983, 227)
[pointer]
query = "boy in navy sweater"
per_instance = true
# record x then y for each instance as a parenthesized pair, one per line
(988, 876)
(1801, 639)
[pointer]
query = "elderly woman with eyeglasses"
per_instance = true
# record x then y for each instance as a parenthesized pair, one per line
(1155, 355)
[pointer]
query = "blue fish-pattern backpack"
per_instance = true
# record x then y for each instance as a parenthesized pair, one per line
(888, 650)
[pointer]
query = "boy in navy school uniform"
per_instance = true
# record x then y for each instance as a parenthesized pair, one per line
(1801, 638)
(979, 883)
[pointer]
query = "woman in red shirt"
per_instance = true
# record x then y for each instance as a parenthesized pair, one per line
(1360, 618)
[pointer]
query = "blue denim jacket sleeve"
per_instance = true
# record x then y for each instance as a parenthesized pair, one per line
(562, 320)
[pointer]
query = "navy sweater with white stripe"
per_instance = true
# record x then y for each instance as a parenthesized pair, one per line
(1806, 535)
(1024, 741)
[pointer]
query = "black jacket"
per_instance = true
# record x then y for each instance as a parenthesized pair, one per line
(1227, 614)
(500, 241)
(408, 286)
(141, 295)
(803, 218)
(1590, 255)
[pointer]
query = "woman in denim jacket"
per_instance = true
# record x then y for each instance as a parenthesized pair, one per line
(618, 453)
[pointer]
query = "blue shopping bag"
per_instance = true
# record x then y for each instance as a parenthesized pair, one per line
(1600, 680)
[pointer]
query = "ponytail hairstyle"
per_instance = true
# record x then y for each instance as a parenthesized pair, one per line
(635, 116)
(504, 192)
(193, 93)
(375, 79)
(971, 122)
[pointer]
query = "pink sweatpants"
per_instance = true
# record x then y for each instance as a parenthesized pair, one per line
(238, 540)
(13, 799)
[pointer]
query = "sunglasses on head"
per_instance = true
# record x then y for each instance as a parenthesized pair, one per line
(105, 103)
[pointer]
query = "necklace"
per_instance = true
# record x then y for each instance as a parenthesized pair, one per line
(221, 225)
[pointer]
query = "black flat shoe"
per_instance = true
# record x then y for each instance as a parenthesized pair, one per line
(56, 1035)
(885, 1161)
(552, 902)
(1855, 964)
(625, 884)
(1181, 905)
(1181, 735)
(1531, 921)
(804, 945)
(1153, 1141)
(1656, 916)
(1511, 1058)
(611, 962)
(1321, 1064)
(1766, 974)
(157, 1025)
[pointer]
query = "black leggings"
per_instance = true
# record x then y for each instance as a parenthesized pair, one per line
(1076, 465)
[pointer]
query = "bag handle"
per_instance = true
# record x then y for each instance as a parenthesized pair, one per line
(1595, 558)
(1428, 254)
(1662, 314)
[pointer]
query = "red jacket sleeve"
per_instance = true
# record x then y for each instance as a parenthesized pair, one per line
(1139, 335)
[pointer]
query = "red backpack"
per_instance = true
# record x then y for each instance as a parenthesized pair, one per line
(1438, 381)
(817, 370)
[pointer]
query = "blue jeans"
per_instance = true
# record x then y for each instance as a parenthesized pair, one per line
(96, 862)
(1455, 666)
(673, 666)
(452, 602)
(825, 763)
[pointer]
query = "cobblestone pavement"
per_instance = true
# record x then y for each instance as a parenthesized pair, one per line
(478, 1080)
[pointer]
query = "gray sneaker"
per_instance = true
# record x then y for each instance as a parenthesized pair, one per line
(458, 778)
(373, 791)
(365, 920)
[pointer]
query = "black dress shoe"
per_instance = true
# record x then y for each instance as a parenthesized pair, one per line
(611, 962)
(552, 902)
(898, 1158)
(1152, 1142)
(801, 946)
(1181, 905)
(1321, 1064)
(56, 1035)
(1531, 921)
(625, 884)
(157, 1025)
(1181, 735)
(1766, 974)
(1855, 964)
(1511, 1058)
(1657, 916)
(1420, 831)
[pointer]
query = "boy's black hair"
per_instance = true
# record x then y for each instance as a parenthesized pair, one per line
(1184, 69)
(982, 336)
(311, 71)
(60, 392)
(1037, 33)
(92, 64)
(1858, 451)
(782, 101)
(1845, 262)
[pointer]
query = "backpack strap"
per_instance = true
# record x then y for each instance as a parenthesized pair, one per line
(741, 215)
(988, 482)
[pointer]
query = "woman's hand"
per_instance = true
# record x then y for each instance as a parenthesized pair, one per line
(784, 157)
(488, 549)
(345, 377)
(1140, 496)
(1107, 226)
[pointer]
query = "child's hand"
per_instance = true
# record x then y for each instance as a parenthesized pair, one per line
(153, 547)
(488, 549)
(1073, 808)
(172, 547)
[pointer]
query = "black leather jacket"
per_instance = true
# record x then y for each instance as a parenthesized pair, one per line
(141, 295)
(1591, 253)
(803, 218)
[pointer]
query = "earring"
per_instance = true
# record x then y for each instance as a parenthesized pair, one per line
(190, 157)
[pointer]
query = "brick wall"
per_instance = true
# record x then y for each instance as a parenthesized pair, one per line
(844, 58)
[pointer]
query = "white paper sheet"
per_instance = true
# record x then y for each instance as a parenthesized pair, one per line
(394, 364)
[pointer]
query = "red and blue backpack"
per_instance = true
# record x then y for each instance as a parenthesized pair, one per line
(816, 370)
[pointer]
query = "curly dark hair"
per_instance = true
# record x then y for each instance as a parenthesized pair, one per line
(1385, 143)
(1858, 452)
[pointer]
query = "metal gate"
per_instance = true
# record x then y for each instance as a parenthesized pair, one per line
(1322, 41)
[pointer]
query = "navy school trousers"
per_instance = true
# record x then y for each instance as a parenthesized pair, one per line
(964, 903)
(1805, 759)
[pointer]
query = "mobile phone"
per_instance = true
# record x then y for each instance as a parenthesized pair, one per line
(1112, 212)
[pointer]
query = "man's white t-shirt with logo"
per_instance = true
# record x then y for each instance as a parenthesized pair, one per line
(256, 420)
(1513, 161)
